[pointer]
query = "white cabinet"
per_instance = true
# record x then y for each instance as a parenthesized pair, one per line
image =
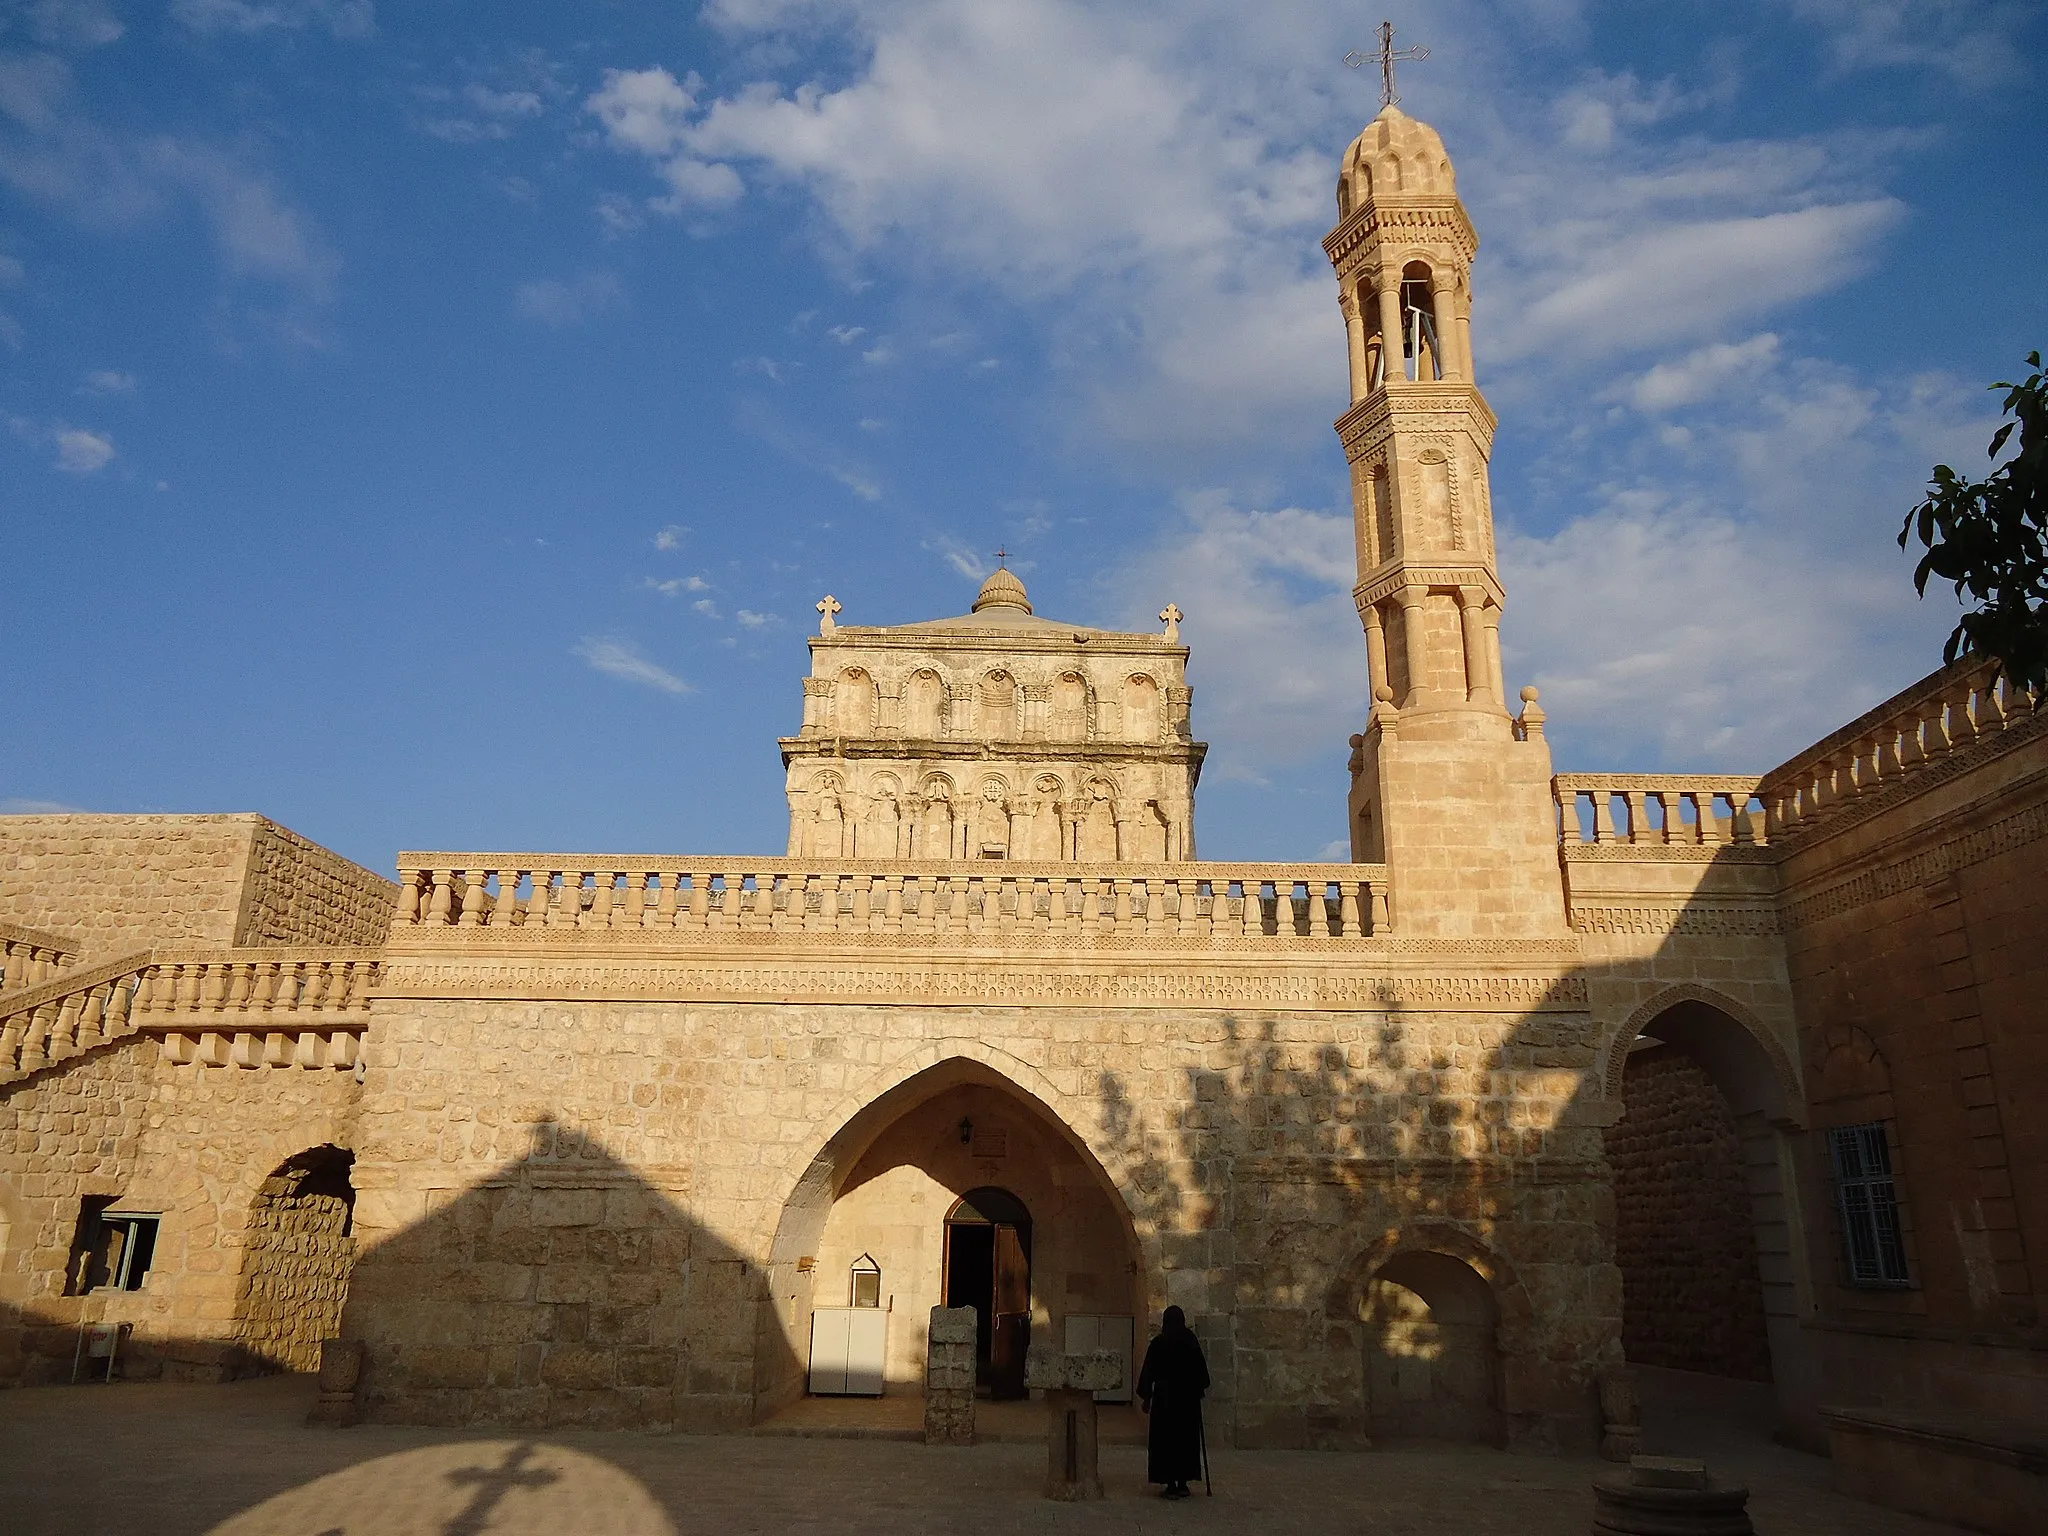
(848, 1346)
(1090, 1331)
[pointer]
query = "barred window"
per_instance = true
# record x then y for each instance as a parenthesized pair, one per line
(1869, 1204)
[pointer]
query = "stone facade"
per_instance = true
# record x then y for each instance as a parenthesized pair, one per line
(113, 884)
(614, 1127)
(998, 734)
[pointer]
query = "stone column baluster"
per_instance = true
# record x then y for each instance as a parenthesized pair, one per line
(635, 915)
(665, 901)
(1992, 713)
(700, 899)
(892, 903)
(120, 1007)
(1253, 915)
(956, 916)
(408, 897)
(1120, 920)
(12, 1031)
(606, 896)
(1382, 916)
(1710, 824)
(1091, 906)
(213, 989)
(1348, 921)
(473, 898)
(34, 1053)
(1603, 816)
(64, 1034)
(442, 903)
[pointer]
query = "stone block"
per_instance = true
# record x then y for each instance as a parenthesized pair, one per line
(1048, 1370)
(952, 1325)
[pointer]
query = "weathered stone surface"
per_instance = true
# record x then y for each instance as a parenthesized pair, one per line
(1046, 1369)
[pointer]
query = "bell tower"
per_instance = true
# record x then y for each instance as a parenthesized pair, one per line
(1447, 787)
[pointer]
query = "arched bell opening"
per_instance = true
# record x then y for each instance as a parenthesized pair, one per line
(962, 1188)
(1432, 1354)
(1422, 344)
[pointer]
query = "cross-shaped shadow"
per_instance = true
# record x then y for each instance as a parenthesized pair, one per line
(492, 1484)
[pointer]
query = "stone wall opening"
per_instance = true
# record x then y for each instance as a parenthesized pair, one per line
(1692, 1298)
(885, 1187)
(1432, 1357)
(1704, 1148)
(297, 1256)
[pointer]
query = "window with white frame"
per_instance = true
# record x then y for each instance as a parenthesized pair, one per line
(1869, 1205)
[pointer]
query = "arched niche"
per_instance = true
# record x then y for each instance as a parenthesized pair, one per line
(298, 1250)
(920, 1153)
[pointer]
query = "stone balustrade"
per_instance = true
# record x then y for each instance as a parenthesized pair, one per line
(28, 957)
(245, 1008)
(1659, 809)
(1905, 736)
(987, 901)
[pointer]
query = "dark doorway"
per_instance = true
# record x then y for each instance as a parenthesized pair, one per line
(988, 1268)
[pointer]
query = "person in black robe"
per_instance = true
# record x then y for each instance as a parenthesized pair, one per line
(1170, 1388)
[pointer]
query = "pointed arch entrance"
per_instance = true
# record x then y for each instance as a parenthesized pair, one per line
(920, 1182)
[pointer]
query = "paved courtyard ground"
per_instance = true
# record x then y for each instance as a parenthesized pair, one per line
(239, 1461)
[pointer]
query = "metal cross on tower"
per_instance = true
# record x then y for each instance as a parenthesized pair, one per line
(1002, 557)
(1386, 59)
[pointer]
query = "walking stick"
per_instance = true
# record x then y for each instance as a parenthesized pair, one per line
(1202, 1439)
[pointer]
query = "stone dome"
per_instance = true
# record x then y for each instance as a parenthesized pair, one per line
(1002, 590)
(1395, 156)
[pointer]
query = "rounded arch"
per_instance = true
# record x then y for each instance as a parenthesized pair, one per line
(1784, 1094)
(1347, 1293)
(987, 1205)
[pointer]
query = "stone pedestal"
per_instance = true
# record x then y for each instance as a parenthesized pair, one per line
(1620, 1418)
(1667, 1496)
(1070, 1382)
(949, 1377)
(341, 1369)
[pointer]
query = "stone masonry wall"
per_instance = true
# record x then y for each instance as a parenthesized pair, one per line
(567, 1210)
(194, 1143)
(115, 884)
(300, 893)
(1692, 1299)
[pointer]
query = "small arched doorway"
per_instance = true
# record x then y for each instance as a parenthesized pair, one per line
(296, 1263)
(1431, 1353)
(988, 1268)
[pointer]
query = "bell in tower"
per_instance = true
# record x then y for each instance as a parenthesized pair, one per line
(1447, 787)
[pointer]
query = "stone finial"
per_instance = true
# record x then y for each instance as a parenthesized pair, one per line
(1171, 616)
(1530, 723)
(827, 607)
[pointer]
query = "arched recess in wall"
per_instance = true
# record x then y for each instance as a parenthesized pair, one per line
(999, 707)
(1069, 707)
(924, 703)
(298, 1250)
(853, 703)
(1710, 1102)
(1141, 708)
(813, 1183)
(1432, 1317)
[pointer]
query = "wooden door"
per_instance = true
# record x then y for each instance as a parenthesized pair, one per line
(1012, 1308)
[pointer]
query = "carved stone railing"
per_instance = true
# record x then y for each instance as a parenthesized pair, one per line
(1649, 810)
(1908, 735)
(30, 957)
(981, 902)
(273, 1007)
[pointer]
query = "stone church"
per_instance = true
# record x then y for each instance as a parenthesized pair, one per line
(1736, 1073)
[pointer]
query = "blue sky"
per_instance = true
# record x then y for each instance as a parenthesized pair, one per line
(432, 425)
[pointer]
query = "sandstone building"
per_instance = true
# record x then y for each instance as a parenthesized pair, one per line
(1734, 1073)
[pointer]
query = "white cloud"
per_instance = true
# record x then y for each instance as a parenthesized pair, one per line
(862, 484)
(1973, 42)
(80, 452)
(1279, 654)
(344, 18)
(676, 585)
(106, 381)
(845, 334)
(647, 111)
(622, 659)
(752, 620)
(17, 805)
(671, 537)
(563, 304)
(52, 151)
(77, 24)
(707, 607)
(960, 555)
